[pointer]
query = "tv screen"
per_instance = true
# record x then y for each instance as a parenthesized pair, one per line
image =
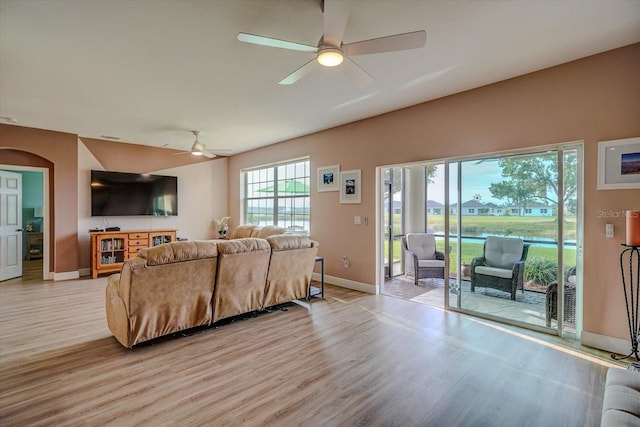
(125, 194)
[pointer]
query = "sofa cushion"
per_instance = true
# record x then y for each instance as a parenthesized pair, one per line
(242, 231)
(284, 242)
(503, 252)
(266, 231)
(238, 246)
(621, 403)
(178, 251)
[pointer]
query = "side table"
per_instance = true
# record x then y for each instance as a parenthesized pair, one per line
(312, 288)
(35, 243)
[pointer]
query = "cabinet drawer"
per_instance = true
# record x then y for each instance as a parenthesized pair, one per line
(138, 242)
(138, 236)
(133, 250)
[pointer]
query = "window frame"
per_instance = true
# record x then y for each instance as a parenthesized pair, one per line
(279, 202)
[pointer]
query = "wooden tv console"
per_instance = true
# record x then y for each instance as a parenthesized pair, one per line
(110, 249)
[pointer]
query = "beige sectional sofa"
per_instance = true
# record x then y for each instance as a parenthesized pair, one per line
(182, 285)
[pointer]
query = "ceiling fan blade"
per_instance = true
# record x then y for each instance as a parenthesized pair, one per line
(299, 73)
(357, 73)
(209, 155)
(413, 40)
(271, 42)
(336, 14)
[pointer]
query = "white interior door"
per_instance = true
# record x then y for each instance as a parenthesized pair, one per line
(10, 225)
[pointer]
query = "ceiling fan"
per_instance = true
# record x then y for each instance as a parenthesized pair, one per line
(199, 149)
(331, 51)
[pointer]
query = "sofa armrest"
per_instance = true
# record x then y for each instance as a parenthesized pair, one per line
(621, 401)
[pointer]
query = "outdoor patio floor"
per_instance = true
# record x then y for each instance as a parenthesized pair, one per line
(529, 307)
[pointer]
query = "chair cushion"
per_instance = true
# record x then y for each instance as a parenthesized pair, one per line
(494, 271)
(503, 252)
(421, 244)
(571, 280)
(430, 263)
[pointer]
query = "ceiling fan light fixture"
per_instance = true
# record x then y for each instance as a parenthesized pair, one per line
(330, 56)
(197, 149)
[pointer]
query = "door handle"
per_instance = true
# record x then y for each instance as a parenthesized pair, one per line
(18, 229)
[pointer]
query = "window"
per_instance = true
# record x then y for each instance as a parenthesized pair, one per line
(527, 211)
(472, 210)
(543, 211)
(279, 195)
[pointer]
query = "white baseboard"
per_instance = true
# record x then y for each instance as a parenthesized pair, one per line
(604, 342)
(84, 272)
(67, 275)
(346, 283)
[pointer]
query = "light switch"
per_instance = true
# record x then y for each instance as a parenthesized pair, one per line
(356, 220)
(608, 230)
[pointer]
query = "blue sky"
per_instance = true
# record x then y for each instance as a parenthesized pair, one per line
(476, 179)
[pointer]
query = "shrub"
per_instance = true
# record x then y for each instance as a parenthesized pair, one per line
(542, 271)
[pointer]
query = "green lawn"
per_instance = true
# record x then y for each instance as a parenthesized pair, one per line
(531, 227)
(541, 227)
(474, 249)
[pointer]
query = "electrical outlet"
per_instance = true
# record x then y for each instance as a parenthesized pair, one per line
(608, 230)
(345, 262)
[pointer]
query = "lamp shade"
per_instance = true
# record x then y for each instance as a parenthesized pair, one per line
(633, 228)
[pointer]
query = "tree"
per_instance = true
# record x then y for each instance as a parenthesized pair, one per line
(536, 178)
(516, 192)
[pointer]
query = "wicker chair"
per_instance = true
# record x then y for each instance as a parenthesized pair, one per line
(501, 266)
(421, 258)
(569, 299)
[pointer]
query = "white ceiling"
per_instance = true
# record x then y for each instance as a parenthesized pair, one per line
(149, 71)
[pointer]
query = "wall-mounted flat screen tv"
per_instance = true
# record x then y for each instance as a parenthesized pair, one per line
(127, 194)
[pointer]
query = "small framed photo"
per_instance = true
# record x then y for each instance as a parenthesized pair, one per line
(329, 178)
(350, 187)
(619, 164)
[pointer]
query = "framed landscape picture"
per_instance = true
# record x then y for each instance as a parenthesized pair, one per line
(350, 187)
(328, 178)
(619, 164)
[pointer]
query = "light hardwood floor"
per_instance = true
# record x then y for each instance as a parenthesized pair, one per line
(351, 359)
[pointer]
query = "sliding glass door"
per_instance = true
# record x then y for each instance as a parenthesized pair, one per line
(513, 234)
(393, 220)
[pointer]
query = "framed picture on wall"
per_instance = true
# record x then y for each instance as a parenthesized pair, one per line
(350, 187)
(328, 178)
(619, 164)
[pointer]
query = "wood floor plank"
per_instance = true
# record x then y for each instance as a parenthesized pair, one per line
(351, 359)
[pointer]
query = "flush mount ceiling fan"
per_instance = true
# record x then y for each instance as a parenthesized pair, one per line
(331, 51)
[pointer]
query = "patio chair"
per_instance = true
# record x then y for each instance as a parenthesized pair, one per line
(501, 266)
(421, 258)
(569, 299)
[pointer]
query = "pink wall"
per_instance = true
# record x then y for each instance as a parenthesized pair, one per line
(23, 146)
(592, 99)
(61, 150)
